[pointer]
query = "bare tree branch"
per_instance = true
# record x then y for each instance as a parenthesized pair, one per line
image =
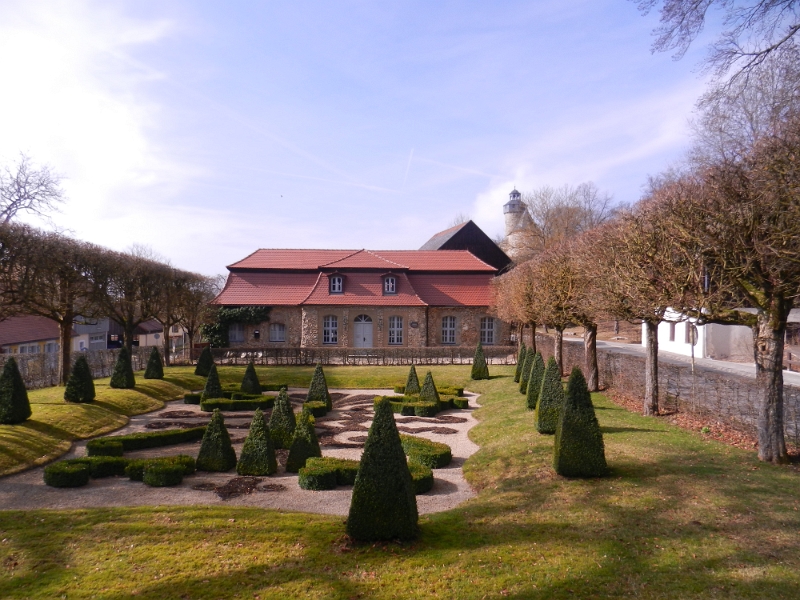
(23, 188)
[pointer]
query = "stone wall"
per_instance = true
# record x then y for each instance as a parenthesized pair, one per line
(289, 316)
(468, 322)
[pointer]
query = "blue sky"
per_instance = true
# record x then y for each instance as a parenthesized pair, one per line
(206, 130)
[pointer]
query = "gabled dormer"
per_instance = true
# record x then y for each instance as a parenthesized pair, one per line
(335, 283)
(389, 284)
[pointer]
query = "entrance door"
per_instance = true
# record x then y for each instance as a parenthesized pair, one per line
(362, 331)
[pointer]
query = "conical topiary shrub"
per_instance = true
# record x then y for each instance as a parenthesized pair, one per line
(535, 381)
(80, 387)
(282, 421)
(520, 361)
(216, 451)
(429, 393)
(213, 387)
(579, 449)
(480, 370)
(318, 390)
(204, 362)
(412, 382)
(304, 443)
(383, 505)
(14, 405)
(250, 382)
(154, 370)
(526, 373)
(548, 408)
(258, 454)
(122, 377)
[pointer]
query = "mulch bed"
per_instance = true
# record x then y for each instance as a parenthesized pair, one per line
(238, 486)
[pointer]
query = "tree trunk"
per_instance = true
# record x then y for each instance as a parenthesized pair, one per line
(65, 337)
(590, 357)
(616, 326)
(190, 335)
(127, 337)
(558, 348)
(166, 346)
(651, 369)
(533, 336)
(768, 337)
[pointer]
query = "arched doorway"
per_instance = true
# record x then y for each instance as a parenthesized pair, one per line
(362, 331)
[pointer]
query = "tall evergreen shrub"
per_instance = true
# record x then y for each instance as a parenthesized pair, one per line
(250, 382)
(412, 382)
(204, 362)
(154, 370)
(304, 443)
(480, 370)
(282, 421)
(428, 393)
(14, 405)
(383, 505)
(535, 381)
(122, 376)
(216, 451)
(579, 450)
(526, 373)
(520, 361)
(258, 453)
(80, 386)
(213, 388)
(318, 390)
(545, 418)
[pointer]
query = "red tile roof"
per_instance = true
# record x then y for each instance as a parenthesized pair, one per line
(364, 288)
(437, 260)
(271, 258)
(453, 290)
(271, 289)
(364, 259)
(29, 328)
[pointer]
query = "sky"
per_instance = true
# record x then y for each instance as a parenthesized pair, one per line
(206, 130)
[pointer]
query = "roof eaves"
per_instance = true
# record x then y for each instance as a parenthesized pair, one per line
(313, 288)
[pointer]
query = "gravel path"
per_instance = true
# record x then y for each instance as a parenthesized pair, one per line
(341, 434)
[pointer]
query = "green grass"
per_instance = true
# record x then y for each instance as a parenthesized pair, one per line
(680, 517)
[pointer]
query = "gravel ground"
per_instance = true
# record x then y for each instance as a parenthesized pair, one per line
(341, 434)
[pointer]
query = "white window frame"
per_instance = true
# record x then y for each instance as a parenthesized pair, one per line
(396, 331)
(487, 331)
(277, 332)
(236, 332)
(449, 330)
(336, 284)
(330, 329)
(390, 285)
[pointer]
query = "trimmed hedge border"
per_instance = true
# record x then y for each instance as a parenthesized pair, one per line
(192, 398)
(431, 454)
(421, 477)
(344, 468)
(137, 466)
(105, 447)
(461, 403)
(155, 439)
(445, 391)
(162, 475)
(426, 409)
(316, 478)
(225, 404)
(102, 466)
(66, 474)
(327, 472)
(318, 408)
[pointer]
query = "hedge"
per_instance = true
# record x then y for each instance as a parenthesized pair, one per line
(345, 469)
(461, 402)
(426, 409)
(412, 382)
(216, 451)
(154, 439)
(122, 376)
(14, 405)
(545, 417)
(250, 383)
(258, 453)
(80, 387)
(480, 370)
(102, 466)
(105, 447)
(450, 391)
(64, 474)
(318, 389)
(316, 478)
(520, 361)
(526, 373)
(136, 467)
(155, 369)
(162, 475)
(192, 398)
(535, 382)
(282, 421)
(421, 477)
(428, 392)
(204, 362)
(213, 404)
(212, 389)
(304, 443)
(316, 408)
(426, 452)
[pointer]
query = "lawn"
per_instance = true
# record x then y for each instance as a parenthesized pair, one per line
(680, 517)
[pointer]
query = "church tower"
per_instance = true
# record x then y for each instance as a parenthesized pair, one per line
(517, 218)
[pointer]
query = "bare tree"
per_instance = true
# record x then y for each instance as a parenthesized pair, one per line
(194, 305)
(459, 219)
(513, 299)
(24, 188)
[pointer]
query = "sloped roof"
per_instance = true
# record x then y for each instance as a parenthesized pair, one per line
(364, 288)
(270, 289)
(468, 236)
(453, 290)
(149, 326)
(363, 259)
(437, 260)
(28, 328)
(439, 239)
(276, 258)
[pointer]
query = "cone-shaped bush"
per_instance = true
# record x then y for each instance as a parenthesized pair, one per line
(535, 381)
(318, 390)
(154, 370)
(480, 370)
(14, 405)
(122, 377)
(548, 408)
(213, 387)
(428, 393)
(216, 452)
(520, 361)
(383, 505)
(258, 454)
(204, 362)
(304, 443)
(579, 449)
(282, 421)
(80, 387)
(412, 382)
(250, 382)
(526, 372)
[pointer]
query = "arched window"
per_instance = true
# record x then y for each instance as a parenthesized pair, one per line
(336, 284)
(330, 330)
(277, 332)
(448, 330)
(487, 330)
(395, 331)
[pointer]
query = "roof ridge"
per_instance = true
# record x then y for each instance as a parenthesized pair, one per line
(411, 285)
(375, 253)
(352, 254)
(313, 287)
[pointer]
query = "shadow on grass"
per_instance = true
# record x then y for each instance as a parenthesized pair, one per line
(630, 429)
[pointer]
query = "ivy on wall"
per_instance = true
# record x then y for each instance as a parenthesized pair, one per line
(216, 332)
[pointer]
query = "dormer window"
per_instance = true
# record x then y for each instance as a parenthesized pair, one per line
(335, 284)
(389, 285)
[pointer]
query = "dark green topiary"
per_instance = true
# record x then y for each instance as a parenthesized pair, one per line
(480, 370)
(258, 454)
(216, 452)
(426, 452)
(282, 422)
(579, 449)
(526, 373)
(213, 388)
(383, 505)
(136, 467)
(122, 378)
(520, 361)
(535, 381)
(304, 443)
(548, 408)
(317, 478)
(421, 477)
(318, 390)
(412, 382)
(250, 382)
(105, 447)
(154, 370)
(204, 362)
(14, 405)
(80, 387)
(67, 474)
(162, 474)
(428, 393)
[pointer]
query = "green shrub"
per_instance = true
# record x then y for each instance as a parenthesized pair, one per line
(212, 389)
(426, 409)
(122, 377)
(318, 390)
(428, 392)
(446, 404)
(480, 370)
(105, 447)
(162, 475)
(102, 466)
(14, 405)
(399, 389)
(204, 362)
(304, 443)
(545, 417)
(520, 361)
(526, 372)
(345, 469)
(80, 387)
(449, 390)
(282, 422)
(316, 478)
(318, 409)
(136, 467)
(461, 402)
(579, 450)
(258, 453)
(408, 410)
(535, 382)
(216, 451)
(244, 396)
(64, 474)
(426, 452)
(262, 402)
(154, 439)
(155, 369)
(250, 383)
(192, 398)
(383, 505)
(412, 382)
(421, 477)
(273, 387)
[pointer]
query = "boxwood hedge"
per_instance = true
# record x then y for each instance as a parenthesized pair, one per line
(64, 474)
(105, 447)
(426, 452)
(154, 439)
(421, 477)
(262, 402)
(162, 475)
(136, 467)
